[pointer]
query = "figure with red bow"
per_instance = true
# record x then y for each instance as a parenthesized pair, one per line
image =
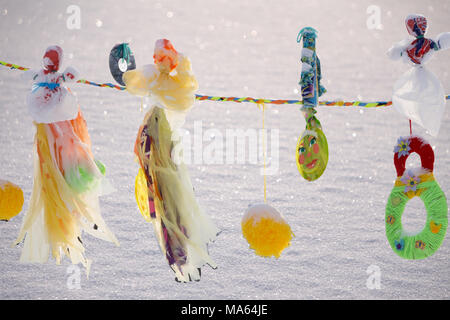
(418, 94)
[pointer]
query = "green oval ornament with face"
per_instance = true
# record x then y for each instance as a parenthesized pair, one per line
(312, 153)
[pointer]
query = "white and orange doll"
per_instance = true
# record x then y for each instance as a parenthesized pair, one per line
(67, 178)
(163, 187)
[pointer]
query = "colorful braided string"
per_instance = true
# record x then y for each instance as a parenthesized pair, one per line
(199, 97)
(13, 66)
(103, 85)
(322, 103)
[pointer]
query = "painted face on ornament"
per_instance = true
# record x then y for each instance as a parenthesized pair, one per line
(312, 154)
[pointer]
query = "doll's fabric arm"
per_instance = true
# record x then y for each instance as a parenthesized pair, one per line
(140, 81)
(184, 67)
(184, 75)
(30, 75)
(70, 75)
(443, 41)
(397, 50)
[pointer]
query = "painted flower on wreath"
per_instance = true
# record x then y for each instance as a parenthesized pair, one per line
(420, 244)
(402, 147)
(390, 220)
(399, 245)
(410, 180)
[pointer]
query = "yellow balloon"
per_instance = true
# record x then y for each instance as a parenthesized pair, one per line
(141, 193)
(11, 200)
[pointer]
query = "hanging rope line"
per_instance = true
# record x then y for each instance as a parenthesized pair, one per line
(13, 66)
(199, 97)
(103, 85)
(322, 103)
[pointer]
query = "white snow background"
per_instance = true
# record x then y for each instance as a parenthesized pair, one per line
(237, 48)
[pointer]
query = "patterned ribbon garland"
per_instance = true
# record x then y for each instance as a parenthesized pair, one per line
(13, 66)
(103, 85)
(242, 99)
(322, 103)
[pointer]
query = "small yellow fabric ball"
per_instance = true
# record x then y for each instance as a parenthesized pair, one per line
(266, 231)
(11, 200)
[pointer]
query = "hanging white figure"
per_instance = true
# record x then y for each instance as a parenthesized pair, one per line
(50, 101)
(418, 94)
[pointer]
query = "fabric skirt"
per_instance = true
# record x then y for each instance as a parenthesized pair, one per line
(183, 230)
(419, 96)
(64, 202)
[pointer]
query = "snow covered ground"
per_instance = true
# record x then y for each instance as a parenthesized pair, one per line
(237, 48)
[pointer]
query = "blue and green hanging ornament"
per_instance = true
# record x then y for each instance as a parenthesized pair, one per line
(312, 146)
(121, 59)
